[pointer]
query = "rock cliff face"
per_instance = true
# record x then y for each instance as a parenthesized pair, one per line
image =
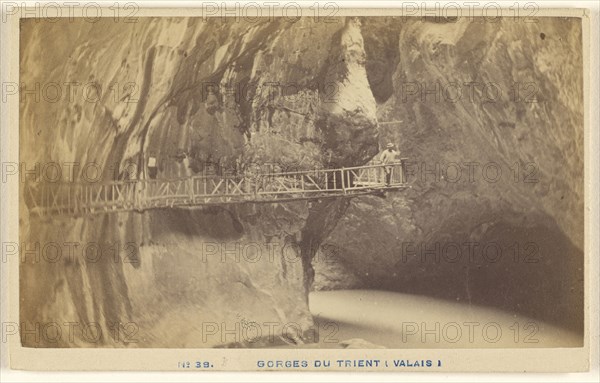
(491, 117)
(194, 96)
(227, 95)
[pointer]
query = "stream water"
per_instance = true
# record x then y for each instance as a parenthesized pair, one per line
(369, 318)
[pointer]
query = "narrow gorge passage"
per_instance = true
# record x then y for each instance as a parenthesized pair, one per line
(484, 120)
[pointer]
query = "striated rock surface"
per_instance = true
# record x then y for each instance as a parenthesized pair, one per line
(302, 94)
(490, 115)
(192, 94)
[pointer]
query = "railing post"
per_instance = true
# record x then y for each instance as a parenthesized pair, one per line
(42, 194)
(190, 182)
(135, 203)
(343, 182)
(142, 185)
(403, 168)
(104, 200)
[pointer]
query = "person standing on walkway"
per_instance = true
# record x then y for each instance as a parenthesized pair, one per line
(388, 156)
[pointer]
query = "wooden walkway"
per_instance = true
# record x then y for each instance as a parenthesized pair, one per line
(75, 199)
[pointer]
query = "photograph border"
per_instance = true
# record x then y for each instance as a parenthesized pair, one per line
(454, 360)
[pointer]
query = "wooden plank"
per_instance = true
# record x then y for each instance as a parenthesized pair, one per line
(237, 186)
(144, 194)
(313, 182)
(55, 200)
(217, 186)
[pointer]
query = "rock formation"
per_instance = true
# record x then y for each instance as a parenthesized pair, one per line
(191, 92)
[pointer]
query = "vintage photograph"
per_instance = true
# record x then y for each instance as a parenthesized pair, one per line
(319, 180)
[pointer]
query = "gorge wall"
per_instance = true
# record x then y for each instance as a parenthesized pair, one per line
(299, 94)
(491, 117)
(191, 94)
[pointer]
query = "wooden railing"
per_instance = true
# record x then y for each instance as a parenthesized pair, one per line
(138, 195)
